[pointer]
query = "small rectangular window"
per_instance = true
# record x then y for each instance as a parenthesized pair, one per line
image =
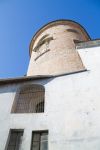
(15, 140)
(39, 140)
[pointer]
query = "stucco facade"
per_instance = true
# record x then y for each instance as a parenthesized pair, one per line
(72, 106)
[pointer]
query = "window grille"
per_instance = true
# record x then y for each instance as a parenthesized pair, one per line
(15, 140)
(29, 99)
(39, 140)
(40, 107)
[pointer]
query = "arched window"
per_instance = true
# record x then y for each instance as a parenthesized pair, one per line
(29, 99)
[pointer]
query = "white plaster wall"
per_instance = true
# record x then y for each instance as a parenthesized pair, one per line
(72, 109)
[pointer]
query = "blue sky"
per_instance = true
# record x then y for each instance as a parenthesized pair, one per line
(20, 19)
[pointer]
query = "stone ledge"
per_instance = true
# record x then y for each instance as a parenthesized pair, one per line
(88, 44)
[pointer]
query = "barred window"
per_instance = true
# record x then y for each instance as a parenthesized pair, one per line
(15, 140)
(29, 99)
(39, 140)
(40, 107)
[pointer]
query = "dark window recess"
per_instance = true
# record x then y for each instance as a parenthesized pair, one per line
(29, 99)
(73, 30)
(45, 36)
(77, 41)
(43, 40)
(40, 107)
(39, 140)
(15, 140)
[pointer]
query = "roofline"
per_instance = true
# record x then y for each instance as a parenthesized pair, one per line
(39, 77)
(88, 44)
(22, 79)
(53, 23)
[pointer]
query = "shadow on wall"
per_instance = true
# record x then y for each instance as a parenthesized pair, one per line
(13, 87)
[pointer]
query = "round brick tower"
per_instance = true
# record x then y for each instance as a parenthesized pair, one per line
(52, 49)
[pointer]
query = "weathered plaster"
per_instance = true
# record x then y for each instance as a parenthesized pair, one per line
(72, 109)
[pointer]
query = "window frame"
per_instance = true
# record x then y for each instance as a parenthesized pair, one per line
(9, 137)
(40, 132)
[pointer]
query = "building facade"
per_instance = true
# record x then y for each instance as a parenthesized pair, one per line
(56, 106)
